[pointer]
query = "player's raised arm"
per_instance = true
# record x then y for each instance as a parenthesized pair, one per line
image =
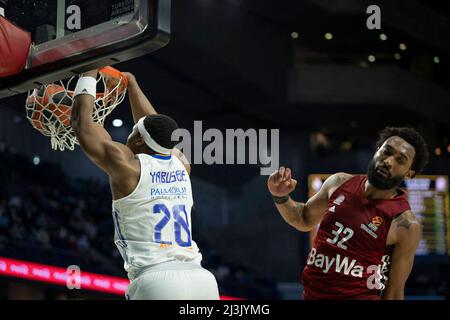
(407, 234)
(140, 105)
(94, 140)
(302, 216)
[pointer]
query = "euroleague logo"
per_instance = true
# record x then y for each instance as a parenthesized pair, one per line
(373, 226)
(377, 221)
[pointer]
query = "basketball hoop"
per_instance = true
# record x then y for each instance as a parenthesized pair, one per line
(49, 107)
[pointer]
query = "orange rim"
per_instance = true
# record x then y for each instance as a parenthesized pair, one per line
(110, 72)
(114, 73)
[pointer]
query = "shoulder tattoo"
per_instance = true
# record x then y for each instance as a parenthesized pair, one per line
(405, 220)
(337, 179)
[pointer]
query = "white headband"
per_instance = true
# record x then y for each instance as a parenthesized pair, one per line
(148, 139)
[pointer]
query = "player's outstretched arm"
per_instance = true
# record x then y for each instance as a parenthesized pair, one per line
(407, 237)
(302, 216)
(140, 105)
(94, 140)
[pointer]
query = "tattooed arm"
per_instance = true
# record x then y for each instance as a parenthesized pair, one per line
(406, 233)
(302, 216)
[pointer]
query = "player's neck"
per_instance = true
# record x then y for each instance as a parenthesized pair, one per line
(373, 193)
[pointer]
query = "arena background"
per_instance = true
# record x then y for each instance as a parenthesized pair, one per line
(242, 64)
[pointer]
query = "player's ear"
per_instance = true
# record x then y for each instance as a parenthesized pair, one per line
(139, 142)
(411, 173)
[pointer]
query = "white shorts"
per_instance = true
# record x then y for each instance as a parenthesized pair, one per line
(174, 281)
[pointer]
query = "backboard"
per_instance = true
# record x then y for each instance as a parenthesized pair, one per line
(73, 36)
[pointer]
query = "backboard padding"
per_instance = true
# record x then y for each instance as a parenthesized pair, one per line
(119, 39)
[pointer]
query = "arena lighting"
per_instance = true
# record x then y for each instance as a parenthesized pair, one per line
(117, 123)
(57, 275)
(402, 46)
(436, 60)
(36, 160)
(437, 151)
(397, 56)
(294, 35)
(383, 37)
(328, 36)
(371, 58)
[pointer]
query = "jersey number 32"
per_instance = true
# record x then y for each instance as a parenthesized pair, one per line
(346, 232)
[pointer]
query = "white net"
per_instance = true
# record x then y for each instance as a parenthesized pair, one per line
(49, 107)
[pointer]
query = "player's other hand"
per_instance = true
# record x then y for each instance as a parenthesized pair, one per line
(280, 183)
(130, 76)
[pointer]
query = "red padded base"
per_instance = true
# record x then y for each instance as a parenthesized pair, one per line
(14, 48)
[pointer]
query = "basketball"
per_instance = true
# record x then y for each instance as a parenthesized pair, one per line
(49, 103)
(49, 107)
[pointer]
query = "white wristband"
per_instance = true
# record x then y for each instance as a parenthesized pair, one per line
(86, 85)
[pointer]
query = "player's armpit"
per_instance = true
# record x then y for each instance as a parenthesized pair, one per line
(407, 235)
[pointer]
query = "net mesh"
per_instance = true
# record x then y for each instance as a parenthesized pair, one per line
(49, 107)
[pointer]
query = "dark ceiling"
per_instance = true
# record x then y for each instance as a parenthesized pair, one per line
(229, 63)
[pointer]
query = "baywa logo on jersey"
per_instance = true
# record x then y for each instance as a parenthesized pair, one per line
(374, 274)
(337, 202)
(372, 226)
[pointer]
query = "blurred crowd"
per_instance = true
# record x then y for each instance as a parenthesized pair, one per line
(429, 279)
(47, 218)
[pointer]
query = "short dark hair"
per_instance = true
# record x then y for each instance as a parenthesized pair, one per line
(160, 127)
(414, 138)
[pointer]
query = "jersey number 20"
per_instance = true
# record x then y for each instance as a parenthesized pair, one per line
(179, 224)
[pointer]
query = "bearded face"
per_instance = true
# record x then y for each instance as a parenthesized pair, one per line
(380, 177)
(391, 164)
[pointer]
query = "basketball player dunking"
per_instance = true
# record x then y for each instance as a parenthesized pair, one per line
(152, 198)
(366, 242)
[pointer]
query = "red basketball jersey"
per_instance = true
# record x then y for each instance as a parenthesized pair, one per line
(349, 258)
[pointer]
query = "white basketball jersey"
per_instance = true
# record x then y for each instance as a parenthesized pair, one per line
(153, 223)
